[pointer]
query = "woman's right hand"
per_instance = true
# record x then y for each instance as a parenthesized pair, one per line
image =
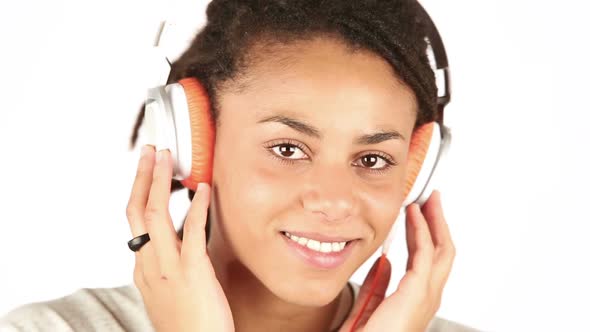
(412, 306)
(176, 278)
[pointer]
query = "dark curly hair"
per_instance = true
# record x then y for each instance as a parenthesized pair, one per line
(224, 48)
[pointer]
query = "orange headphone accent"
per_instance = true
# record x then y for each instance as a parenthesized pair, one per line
(419, 144)
(202, 133)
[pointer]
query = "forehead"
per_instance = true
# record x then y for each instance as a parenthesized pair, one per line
(319, 78)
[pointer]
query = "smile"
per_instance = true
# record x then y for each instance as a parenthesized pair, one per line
(317, 245)
(319, 254)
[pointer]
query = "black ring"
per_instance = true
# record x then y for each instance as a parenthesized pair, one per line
(137, 242)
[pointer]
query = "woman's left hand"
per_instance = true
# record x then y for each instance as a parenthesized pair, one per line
(412, 306)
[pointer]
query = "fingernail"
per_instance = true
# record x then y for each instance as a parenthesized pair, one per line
(201, 186)
(160, 155)
(144, 150)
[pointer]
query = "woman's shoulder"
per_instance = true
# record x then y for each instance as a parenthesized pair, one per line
(87, 309)
(117, 309)
(437, 324)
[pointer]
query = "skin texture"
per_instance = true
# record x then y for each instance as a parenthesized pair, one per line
(248, 274)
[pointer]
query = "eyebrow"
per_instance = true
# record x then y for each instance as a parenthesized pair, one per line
(310, 130)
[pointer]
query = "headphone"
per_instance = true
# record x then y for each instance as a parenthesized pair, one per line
(178, 117)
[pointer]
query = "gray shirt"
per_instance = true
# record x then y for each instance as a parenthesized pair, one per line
(115, 309)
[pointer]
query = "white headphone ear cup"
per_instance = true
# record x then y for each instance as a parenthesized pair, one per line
(437, 168)
(158, 120)
(183, 131)
(420, 189)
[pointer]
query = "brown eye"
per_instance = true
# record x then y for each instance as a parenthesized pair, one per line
(287, 151)
(369, 160)
(375, 162)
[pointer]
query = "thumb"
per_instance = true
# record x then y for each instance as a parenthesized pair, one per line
(382, 274)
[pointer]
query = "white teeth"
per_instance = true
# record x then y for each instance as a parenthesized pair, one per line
(336, 246)
(314, 245)
(325, 247)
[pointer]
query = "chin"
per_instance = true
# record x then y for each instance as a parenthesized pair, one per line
(307, 291)
(297, 287)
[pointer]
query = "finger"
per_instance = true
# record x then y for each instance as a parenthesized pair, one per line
(136, 208)
(140, 191)
(419, 243)
(433, 213)
(444, 248)
(375, 298)
(157, 216)
(194, 242)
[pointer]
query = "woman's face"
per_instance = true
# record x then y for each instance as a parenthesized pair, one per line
(314, 144)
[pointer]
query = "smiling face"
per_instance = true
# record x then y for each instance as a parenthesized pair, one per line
(314, 144)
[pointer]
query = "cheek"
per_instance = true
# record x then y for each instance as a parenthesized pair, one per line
(251, 191)
(269, 189)
(382, 205)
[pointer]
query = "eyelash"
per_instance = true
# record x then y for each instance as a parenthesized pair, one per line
(388, 160)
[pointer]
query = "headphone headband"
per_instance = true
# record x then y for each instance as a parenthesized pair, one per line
(441, 63)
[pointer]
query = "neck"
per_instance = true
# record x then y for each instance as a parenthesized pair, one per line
(255, 308)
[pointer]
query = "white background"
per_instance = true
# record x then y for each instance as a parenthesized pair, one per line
(515, 193)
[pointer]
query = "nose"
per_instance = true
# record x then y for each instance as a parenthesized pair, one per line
(330, 191)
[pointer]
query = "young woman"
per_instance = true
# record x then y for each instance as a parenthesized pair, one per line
(314, 105)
